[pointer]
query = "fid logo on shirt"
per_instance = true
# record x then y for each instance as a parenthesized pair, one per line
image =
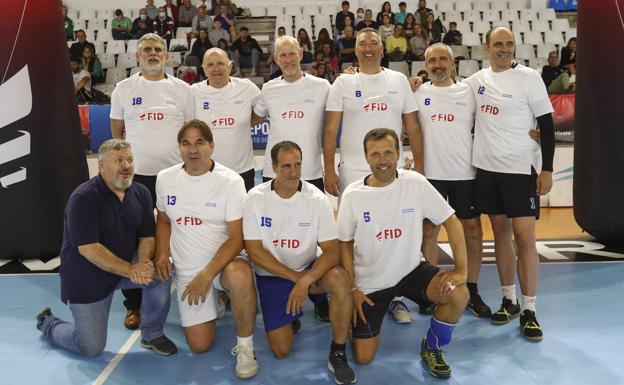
(292, 114)
(189, 221)
(152, 116)
(489, 109)
(377, 106)
(389, 234)
(442, 117)
(223, 122)
(286, 243)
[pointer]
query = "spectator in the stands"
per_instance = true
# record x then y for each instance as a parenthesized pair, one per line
(141, 25)
(228, 21)
(330, 56)
(92, 64)
(201, 20)
(186, 14)
(396, 45)
(319, 57)
(322, 70)
(359, 16)
(348, 22)
(346, 47)
(306, 45)
(199, 48)
(368, 21)
(423, 75)
(69, 23)
(434, 28)
(323, 37)
(152, 10)
(340, 16)
(82, 80)
(399, 17)
(553, 69)
(386, 28)
(231, 7)
(281, 31)
(76, 49)
(418, 43)
(121, 26)
(408, 26)
(421, 13)
(453, 36)
(568, 53)
(223, 44)
(247, 52)
(163, 25)
(386, 10)
(565, 83)
(172, 11)
(217, 33)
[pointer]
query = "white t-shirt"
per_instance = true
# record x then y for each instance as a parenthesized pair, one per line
(508, 104)
(198, 207)
(79, 76)
(446, 115)
(227, 111)
(368, 102)
(385, 224)
(290, 229)
(153, 112)
(297, 113)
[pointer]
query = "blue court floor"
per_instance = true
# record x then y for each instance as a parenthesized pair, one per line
(580, 307)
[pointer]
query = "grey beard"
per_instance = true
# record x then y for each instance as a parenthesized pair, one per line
(151, 69)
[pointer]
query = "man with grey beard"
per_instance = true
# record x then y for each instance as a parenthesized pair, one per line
(102, 253)
(149, 109)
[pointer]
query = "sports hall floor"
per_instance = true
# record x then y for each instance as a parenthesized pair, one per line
(580, 307)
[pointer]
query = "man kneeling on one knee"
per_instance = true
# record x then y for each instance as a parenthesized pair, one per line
(380, 232)
(283, 222)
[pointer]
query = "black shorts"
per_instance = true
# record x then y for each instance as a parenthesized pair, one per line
(511, 194)
(316, 182)
(148, 181)
(460, 195)
(413, 286)
(249, 178)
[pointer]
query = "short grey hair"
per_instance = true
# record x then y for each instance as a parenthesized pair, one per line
(151, 37)
(286, 39)
(112, 145)
(218, 50)
(439, 45)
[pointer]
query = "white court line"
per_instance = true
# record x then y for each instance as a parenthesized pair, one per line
(118, 357)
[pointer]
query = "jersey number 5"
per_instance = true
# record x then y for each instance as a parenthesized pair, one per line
(366, 216)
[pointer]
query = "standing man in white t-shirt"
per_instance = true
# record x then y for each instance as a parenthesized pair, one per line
(380, 232)
(295, 104)
(285, 220)
(373, 97)
(446, 111)
(200, 225)
(510, 99)
(149, 109)
(225, 104)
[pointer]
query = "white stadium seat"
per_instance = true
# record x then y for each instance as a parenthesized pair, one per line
(257, 10)
(533, 38)
(399, 66)
(544, 49)
(104, 35)
(115, 74)
(481, 5)
(517, 4)
(477, 52)
(492, 15)
(107, 60)
(87, 14)
(178, 43)
(116, 46)
(460, 51)
(471, 38)
(547, 14)
(554, 37)
(96, 24)
(481, 27)
(528, 14)
(174, 60)
(455, 16)
(560, 25)
(274, 10)
(498, 5)
(106, 14)
(510, 15)
(467, 67)
(472, 15)
(182, 31)
(126, 60)
(525, 51)
(292, 10)
(132, 46)
(540, 25)
(463, 5)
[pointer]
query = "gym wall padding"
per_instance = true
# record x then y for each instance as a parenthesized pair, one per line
(599, 140)
(41, 151)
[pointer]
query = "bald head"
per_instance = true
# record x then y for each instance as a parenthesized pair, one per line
(498, 32)
(284, 41)
(217, 67)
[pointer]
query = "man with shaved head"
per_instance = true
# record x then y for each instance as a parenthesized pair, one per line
(510, 99)
(226, 103)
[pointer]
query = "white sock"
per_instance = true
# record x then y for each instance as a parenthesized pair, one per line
(509, 292)
(528, 303)
(245, 341)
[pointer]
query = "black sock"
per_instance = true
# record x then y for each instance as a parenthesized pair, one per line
(337, 347)
(472, 288)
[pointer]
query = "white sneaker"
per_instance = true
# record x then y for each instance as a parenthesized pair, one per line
(221, 303)
(246, 364)
(237, 74)
(400, 312)
(253, 72)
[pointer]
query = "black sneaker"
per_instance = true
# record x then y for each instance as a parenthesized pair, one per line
(435, 361)
(41, 316)
(160, 345)
(338, 365)
(530, 327)
(321, 311)
(506, 313)
(296, 326)
(478, 307)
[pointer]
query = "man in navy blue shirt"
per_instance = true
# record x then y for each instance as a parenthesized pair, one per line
(108, 244)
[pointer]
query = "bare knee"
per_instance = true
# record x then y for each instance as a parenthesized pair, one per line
(199, 346)
(459, 296)
(280, 350)
(363, 353)
(338, 280)
(473, 231)
(237, 276)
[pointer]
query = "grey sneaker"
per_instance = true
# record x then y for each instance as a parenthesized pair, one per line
(41, 316)
(160, 345)
(246, 364)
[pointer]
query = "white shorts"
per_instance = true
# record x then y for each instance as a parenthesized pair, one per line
(346, 176)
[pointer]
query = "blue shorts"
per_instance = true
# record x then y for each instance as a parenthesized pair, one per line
(273, 293)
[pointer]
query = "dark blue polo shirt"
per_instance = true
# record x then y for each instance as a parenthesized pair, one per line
(95, 214)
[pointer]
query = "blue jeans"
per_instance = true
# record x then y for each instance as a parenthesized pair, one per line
(87, 335)
(248, 61)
